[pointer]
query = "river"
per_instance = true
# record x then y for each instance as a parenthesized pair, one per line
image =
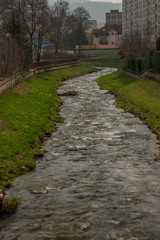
(98, 179)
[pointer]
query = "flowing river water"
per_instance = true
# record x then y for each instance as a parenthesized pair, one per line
(98, 179)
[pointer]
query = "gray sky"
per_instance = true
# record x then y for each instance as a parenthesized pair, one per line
(114, 1)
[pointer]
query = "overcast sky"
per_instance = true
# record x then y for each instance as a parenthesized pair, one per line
(114, 1)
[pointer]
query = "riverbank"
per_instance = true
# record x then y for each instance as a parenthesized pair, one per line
(110, 64)
(28, 113)
(141, 97)
(98, 176)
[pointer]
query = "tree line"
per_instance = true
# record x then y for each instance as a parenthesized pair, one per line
(22, 21)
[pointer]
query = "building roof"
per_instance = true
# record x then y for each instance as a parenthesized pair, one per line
(115, 11)
(108, 27)
(44, 43)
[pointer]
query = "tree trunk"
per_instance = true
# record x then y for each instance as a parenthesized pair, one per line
(39, 53)
(56, 52)
(39, 47)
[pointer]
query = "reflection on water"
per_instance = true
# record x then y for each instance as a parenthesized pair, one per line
(98, 179)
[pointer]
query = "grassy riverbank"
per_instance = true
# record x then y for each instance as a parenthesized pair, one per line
(27, 113)
(141, 97)
(108, 57)
(105, 64)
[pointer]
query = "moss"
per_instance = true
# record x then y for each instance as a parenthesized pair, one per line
(9, 207)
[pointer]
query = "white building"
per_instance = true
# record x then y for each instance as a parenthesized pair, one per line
(110, 34)
(144, 16)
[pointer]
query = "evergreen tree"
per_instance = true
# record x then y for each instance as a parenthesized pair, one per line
(16, 26)
(158, 44)
(80, 16)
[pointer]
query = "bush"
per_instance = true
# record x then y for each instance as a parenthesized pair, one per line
(158, 44)
(126, 63)
(17, 28)
(9, 207)
(139, 65)
(151, 59)
(132, 64)
(156, 61)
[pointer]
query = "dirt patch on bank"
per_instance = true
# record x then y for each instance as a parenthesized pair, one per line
(3, 125)
(22, 89)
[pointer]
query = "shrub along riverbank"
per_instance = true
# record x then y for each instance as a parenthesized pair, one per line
(141, 97)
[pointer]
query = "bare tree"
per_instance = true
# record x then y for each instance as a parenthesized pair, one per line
(5, 8)
(134, 45)
(58, 23)
(42, 23)
(35, 16)
(29, 10)
(80, 16)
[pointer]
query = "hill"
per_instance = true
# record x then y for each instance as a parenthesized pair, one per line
(97, 9)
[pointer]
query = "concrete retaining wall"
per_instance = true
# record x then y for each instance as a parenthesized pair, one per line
(10, 83)
(132, 75)
(148, 74)
(153, 75)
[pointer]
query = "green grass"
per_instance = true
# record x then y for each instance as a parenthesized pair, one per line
(26, 113)
(105, 64)
(9, 207)
(108, 57)
(141, 97)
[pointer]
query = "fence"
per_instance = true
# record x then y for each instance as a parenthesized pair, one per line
(63, 60)
(7, 84)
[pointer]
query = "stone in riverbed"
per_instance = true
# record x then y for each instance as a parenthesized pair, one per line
(68, 94)
(1, 200)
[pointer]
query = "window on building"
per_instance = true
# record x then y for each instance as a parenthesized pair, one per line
(156, 17)
(103, 38)
(112, 43)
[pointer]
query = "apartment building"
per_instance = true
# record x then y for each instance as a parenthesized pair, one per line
(114, 17)
(144, 16)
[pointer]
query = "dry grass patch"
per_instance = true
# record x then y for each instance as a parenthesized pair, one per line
(3, 125)
(22, 89)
